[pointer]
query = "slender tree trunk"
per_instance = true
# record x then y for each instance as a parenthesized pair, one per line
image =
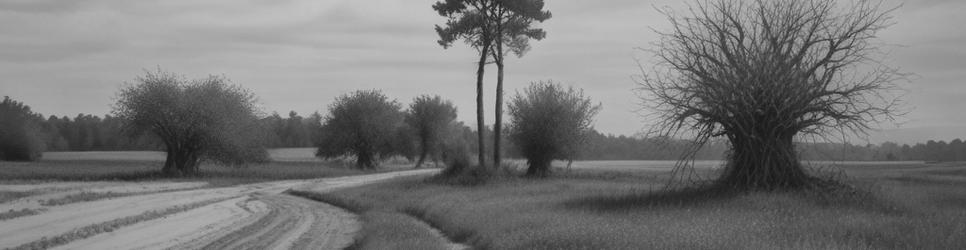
(498, 124)
(480, 123)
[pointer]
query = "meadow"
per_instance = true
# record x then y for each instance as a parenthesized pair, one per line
(890, 206)
(287, 164)
(594, 205)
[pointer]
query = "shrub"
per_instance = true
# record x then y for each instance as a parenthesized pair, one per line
(430, 117)
(201, 119)
(362, 123)
(550, 122)
(20, 138)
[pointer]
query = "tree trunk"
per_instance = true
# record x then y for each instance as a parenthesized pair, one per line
(498, 124)
(169, 163)
(539, 167)
(425, 151)
(180, 161)
(763, 162)
(364, 160)
(171, 167)
(480, 123)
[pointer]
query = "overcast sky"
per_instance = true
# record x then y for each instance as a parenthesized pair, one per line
(64, 57)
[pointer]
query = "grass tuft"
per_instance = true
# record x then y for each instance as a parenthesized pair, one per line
(6, 196)
(19, 213)
(351, 205)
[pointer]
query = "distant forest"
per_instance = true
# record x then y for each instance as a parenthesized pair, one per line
(93, 133)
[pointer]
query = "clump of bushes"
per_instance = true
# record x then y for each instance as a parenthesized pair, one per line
(201, 119)
(20, 136)
(430, 118)
(363, 123)
(548, 122)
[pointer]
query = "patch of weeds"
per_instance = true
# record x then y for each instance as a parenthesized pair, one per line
(458, 235)
(81, 197)
(351, 205)
(6, 196)
(110, 226)
(633, 199)
(93, 196)
(919, 180)
(474, 176)
(19, 213)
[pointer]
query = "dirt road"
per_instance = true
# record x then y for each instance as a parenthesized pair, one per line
(254, 216)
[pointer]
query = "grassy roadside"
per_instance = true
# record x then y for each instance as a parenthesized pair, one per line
(914, 207)
(142, 170)
(382, 228)
(19, 213)
(6, 196)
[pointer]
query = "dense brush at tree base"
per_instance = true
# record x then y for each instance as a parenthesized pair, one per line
(765, 73)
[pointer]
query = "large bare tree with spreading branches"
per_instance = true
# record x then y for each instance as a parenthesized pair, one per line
(765, 73)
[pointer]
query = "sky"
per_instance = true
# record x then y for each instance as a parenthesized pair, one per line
(69, 57)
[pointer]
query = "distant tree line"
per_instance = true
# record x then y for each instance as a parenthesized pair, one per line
(293, 131)
(91, 133)
(84, 132)
(87, 132)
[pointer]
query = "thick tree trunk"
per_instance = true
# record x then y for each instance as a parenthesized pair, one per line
(480, 123)
(763, 162)
(539, 166)
(181, 161)
(364, 160)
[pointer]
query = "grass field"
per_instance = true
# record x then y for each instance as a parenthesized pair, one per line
(287, 164)
(918, 206)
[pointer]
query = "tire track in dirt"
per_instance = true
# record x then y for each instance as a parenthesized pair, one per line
(255, 216)
(294, 223)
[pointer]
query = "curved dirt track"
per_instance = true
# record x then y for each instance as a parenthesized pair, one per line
(253, 216)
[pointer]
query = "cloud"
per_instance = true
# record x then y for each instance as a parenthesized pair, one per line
(69, 56)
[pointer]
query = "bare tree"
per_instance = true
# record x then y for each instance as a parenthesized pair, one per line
(198, 119)
(763, 73)
(512, 22)
(468, 20)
